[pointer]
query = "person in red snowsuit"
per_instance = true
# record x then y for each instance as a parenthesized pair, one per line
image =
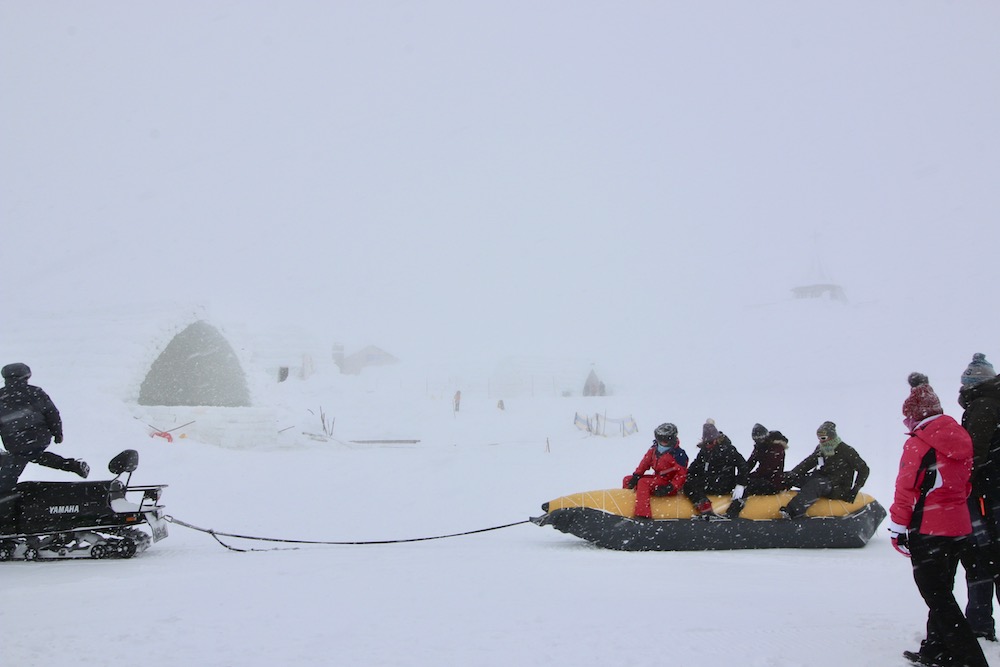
(930, 523)
(669, 465)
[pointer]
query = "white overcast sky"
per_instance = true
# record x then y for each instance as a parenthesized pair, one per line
(496, 175)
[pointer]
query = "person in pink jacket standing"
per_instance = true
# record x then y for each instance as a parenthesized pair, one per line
(930, 524)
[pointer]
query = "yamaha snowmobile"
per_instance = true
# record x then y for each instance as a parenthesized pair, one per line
(52, 520)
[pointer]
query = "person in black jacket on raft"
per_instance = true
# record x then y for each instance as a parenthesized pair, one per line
(834, 470)
(717, 470)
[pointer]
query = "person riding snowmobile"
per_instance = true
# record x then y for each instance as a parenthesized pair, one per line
(29, 421)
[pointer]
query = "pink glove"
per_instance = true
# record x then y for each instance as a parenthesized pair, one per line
(900, 539)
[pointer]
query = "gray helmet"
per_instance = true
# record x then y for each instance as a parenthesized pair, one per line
(666, 432)
(16, 372)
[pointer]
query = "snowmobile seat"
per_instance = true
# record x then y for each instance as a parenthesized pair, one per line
(127, 461)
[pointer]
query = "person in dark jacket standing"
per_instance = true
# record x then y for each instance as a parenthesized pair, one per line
(979, 396)
(669, 464)
(930, 524)
(766, 466)
(29, 421)
(717, 470)
(834, 470)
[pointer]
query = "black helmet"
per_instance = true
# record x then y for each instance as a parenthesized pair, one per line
(16, 372)
(666, 432)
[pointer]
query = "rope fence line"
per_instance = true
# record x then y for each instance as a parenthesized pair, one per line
(218, 534)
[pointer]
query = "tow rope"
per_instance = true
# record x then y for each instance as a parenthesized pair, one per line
(217, 534)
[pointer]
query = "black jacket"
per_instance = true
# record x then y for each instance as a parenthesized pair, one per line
(717, 469)
(840, 469)
(29, 419)
(982, 420)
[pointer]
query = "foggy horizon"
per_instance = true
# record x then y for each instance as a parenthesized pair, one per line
(453, 180)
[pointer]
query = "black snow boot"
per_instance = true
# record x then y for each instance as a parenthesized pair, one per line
(735, 508)
(930, 659)
(82, 468)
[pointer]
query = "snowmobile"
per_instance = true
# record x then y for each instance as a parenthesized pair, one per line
(54, 520)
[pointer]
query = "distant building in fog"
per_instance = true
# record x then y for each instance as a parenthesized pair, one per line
(818, 285)
(353, 364)
(820, 290)
(593, 386)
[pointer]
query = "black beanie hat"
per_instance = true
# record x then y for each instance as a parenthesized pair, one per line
(15, 372)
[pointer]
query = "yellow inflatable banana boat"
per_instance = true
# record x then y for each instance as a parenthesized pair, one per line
(607, 518)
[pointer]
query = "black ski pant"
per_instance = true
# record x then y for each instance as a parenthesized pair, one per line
(761, 487)
(814, 488)
(698, 490)
(935, 561)
(754, 487)
(979, 563)
(12, 465)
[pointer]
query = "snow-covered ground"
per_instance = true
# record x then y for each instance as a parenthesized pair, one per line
(496, 190)
(520, 595)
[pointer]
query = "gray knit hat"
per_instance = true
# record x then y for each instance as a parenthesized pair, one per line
(827, 430)
(978, 371)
